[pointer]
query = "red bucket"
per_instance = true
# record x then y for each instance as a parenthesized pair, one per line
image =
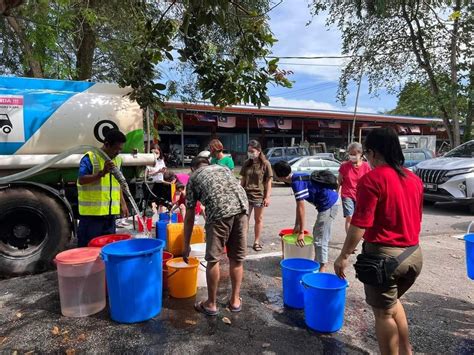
(148, 222)
(290, 231)
(166, 256)
(103, 240)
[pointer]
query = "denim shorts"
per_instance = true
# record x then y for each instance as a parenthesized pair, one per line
(348, 206)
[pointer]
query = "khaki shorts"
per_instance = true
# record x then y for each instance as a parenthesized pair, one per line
(228, 232)
(402, 279)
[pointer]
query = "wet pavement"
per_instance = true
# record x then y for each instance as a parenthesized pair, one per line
(440, 309)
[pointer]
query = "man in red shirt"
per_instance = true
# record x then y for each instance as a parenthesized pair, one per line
(350, 173)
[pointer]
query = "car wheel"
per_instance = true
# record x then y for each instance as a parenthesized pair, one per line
(6, 129)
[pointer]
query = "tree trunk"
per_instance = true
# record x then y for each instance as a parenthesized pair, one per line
(7, 5)
(34, 66)
(423, 59)
(86, 44)
(470, 104)
(454, 78)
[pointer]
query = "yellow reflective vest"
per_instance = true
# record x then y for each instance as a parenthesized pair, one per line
(100, 198)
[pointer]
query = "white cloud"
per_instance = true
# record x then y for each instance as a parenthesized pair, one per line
(315, 105)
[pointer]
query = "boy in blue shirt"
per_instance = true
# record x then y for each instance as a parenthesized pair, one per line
(319, 194)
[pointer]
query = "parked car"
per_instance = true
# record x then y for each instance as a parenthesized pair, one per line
(415, 155)
(277, 154)
(329, 156)
(449, 178)
(314, 163)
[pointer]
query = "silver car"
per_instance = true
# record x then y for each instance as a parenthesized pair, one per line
(451, 177)
(314, 163)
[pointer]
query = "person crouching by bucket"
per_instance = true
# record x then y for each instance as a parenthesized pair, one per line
(388, 218)
(319, 190)
(226, 226)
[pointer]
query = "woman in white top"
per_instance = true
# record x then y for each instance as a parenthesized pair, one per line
(156, 172)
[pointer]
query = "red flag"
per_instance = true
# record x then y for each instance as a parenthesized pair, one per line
(226, 122)
(284, 124)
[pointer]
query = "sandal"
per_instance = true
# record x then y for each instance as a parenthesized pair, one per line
(257, 247)
(235, 309)
(199, 307)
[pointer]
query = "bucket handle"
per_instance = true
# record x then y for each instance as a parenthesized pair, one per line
(469, 228)
(170, 275)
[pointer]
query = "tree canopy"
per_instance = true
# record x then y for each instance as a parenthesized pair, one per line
(395, 42)
(223, 44)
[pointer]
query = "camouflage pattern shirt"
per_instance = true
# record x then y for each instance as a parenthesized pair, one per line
(218, 190)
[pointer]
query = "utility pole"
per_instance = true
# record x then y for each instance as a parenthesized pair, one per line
(357, 100)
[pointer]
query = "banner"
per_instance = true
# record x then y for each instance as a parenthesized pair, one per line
(266, 123)
(284, 124)
(226, 122)
(205, 118)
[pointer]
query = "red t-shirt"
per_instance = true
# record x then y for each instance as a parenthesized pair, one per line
(389, 207)
(351, 175)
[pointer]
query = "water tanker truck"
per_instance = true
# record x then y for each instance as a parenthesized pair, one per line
(41, 120)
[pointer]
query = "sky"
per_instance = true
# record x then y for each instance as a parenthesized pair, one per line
(314, 86)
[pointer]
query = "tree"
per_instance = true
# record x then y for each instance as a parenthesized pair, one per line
(415, 99)
(409, 40)
(127, 41)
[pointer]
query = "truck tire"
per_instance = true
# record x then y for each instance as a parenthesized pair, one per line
(34, 227)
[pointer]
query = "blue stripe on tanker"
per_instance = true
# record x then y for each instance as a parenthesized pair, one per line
(42, 97)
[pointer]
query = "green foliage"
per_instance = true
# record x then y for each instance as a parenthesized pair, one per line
(218, 42)
(400, 41)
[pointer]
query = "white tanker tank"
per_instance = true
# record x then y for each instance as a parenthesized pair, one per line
(40, 119)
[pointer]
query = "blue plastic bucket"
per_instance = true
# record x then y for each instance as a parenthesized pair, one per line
(469, 240)
(324, 301)
(134, 272)
(161, 231)
(293, 271)
(165, 216)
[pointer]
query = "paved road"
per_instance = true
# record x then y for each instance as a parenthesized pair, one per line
(440, 306)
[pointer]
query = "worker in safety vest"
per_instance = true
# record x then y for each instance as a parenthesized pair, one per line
(99, 194)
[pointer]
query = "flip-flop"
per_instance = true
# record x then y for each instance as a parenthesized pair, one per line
(235, 309)
(199, 307)
(257, 247)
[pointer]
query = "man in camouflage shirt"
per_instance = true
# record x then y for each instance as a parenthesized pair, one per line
(226, 226)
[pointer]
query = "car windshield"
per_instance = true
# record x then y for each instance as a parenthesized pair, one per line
(463, 151)
(293, 161)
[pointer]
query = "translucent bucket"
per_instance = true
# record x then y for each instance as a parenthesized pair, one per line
(81, 279)
(293, 271)
(293, 251)
(134, 279)
(324, 301)
(199, 251)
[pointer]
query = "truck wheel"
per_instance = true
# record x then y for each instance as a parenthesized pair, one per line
(33, 229)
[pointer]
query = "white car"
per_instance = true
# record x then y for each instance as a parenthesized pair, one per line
(451, 177)
(314, 163)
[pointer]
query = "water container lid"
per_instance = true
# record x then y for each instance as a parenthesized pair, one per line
(291, 239)
(78, 256)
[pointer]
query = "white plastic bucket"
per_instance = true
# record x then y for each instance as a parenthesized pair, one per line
(198, 251)
(291, 250)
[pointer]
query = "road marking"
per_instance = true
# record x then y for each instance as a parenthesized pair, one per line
(264, 255)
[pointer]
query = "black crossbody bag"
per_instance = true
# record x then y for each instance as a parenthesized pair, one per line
(376, 270)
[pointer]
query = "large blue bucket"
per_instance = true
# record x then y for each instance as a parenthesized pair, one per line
(165, 216)
(134, 271)
(292, 272)
(469, 239)
(324, 301)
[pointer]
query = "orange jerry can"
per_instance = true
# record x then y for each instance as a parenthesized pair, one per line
(175, 237)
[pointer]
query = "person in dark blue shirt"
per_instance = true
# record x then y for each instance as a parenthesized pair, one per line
(319, 195)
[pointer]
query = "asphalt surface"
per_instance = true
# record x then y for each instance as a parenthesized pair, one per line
(439, 306)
